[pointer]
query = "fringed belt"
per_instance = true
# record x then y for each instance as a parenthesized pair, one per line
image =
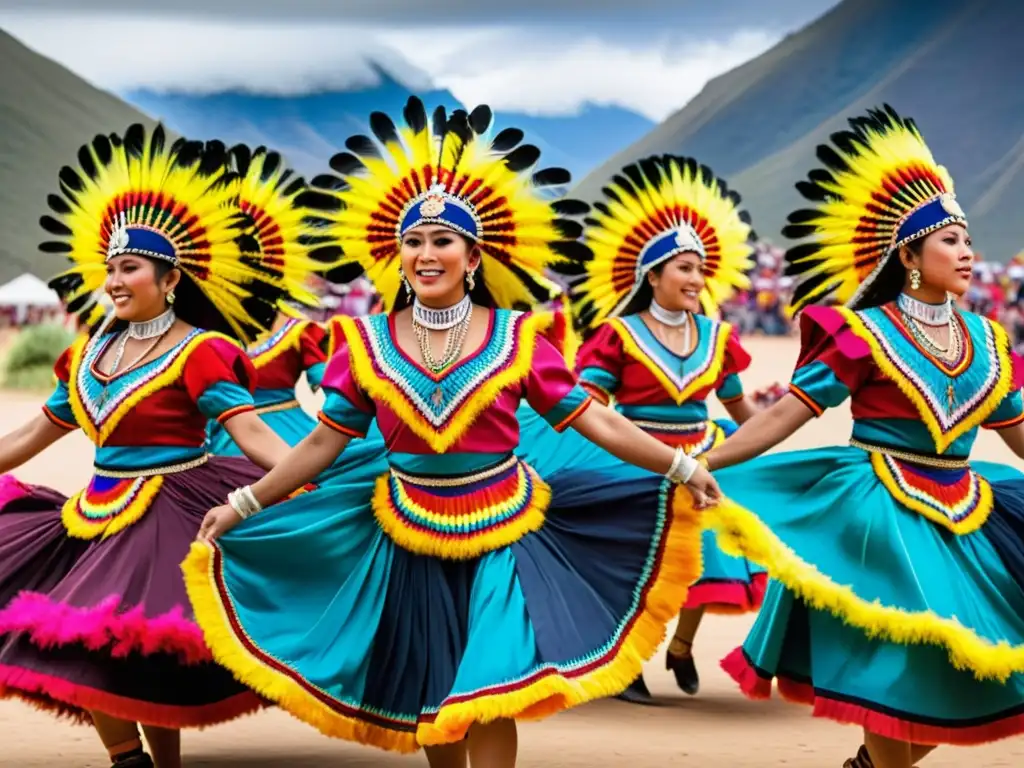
(461, 517)
(911, 457)
(287, 405)
(695, 437)
(944, 490)
(116, 499)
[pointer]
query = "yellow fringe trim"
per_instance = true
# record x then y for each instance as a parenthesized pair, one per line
(290, 340)
(529, 327)
(141, 493)
(984, 409)
(680, 566)
(741, 533)
(969, 524)
(465, 546)
(703, 381)
(166, 377)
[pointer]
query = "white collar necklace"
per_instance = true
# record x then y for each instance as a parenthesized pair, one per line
(668, 317)
(151, 329)
(929, 314)
(441, 319)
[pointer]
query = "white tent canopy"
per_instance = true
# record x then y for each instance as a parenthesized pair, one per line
(28, 291)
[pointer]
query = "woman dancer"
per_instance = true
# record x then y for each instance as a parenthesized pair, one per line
(275, 226)
(464, 591)
(669, 239)
(95, 623)
(896, 600)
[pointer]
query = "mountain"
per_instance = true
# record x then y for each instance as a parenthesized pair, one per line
(46, 113)
(954, 67)
(309, 128)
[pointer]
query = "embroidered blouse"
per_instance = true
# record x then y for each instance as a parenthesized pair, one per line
(146, 423)
(662, 392)
(281, 359)
(455, 488)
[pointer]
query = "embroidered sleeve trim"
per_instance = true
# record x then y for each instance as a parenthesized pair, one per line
(1005, 423)
(806, 399)
(230, 413)
(327, 421)
(57, 421)
(568, 420)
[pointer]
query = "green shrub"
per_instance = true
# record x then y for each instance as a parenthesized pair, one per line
(28, 363)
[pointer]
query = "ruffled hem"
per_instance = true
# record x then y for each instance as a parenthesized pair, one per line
(74, 702)
(50, 624)
(728, 598)
(677, 564)
(11, 488)
(891, 724)
(742, 533)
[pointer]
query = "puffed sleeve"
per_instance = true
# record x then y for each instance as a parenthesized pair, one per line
(599, 363)
(312, 342)
(1011, 409)
(346, 407)
(834, 363)
(737, 360)
(220, 379)
(58, 407)
(551, 388)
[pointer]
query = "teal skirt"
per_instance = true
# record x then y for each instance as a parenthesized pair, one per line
(880, 613)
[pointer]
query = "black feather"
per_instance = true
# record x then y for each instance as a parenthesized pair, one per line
(574, 250)
(569, 229)
(134, 139)
(272, 163)
(803, 216)
(831, 158)
(480, 119)
(55, 227)
(362, 146)
(415, 114)
(439, 121)
(601, 208)
(522, 157)
(345, 163)
(635, 175)
(383, 128)
(821, 176)
(795, 256)
(798, 231)
(53, 246)
(745, 218)
(189, 153)
(315, 200)
(58, 205)
(569, 207)
(86, 162)
(241, 158)
(101, 146)
(328, 181)
(507, 139)
(552, 177)
(70, 179)
(345, 273)
(812, 191)
(294, 186)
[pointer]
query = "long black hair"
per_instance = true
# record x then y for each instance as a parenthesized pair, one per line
(889, 284)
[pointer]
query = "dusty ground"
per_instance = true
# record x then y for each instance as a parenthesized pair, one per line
(717, 728)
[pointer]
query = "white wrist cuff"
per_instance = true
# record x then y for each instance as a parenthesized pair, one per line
(682, 468)
(244, 502)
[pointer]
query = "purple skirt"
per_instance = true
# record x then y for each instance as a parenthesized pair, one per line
(105, 624)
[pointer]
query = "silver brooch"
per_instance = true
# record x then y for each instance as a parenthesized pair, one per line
(949, 204)
(432, 206)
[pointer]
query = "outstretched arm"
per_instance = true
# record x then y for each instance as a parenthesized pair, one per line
(625, 440)
(761, 433)
(31, 438)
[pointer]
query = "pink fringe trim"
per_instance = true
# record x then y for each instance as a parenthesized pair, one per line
(755, 686)
(50, 624)
(11, 488)
(728, 598)
(64, 699)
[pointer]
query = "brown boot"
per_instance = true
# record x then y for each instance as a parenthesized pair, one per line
(862, 760)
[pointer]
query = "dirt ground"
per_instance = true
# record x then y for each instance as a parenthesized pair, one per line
(718, 728)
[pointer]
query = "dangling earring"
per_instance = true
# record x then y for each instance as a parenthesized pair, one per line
(915, 278)
(406, 284)
(170, 298)
(471, 279)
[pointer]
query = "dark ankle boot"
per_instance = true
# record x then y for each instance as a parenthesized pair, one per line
(862, 760)
(134, 761)
(637, 693)
(685, 671)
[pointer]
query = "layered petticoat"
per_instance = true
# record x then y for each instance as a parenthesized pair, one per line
(104, 623)
(313, 605)
(896, 600)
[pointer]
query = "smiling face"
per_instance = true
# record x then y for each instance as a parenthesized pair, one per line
(945, 259)
(435, 261)
(138, 287)
(678, 284)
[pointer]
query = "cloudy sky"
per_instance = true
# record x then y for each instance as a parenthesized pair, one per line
(538, 56)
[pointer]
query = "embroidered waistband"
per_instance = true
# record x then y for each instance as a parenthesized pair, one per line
(456, 481)
(170, 469)
(273, 407)
(670, 426)
(922, 459)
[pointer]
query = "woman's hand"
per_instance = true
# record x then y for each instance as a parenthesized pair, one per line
(217, 522)
(704, 488)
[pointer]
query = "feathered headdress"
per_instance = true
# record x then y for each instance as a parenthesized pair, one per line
(277, 226)
(879, 190)
(172, 202)
(653, 210)
(448, 171)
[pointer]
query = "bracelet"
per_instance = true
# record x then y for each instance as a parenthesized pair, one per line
(703, 461)
(682, 468)
(244, 502)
